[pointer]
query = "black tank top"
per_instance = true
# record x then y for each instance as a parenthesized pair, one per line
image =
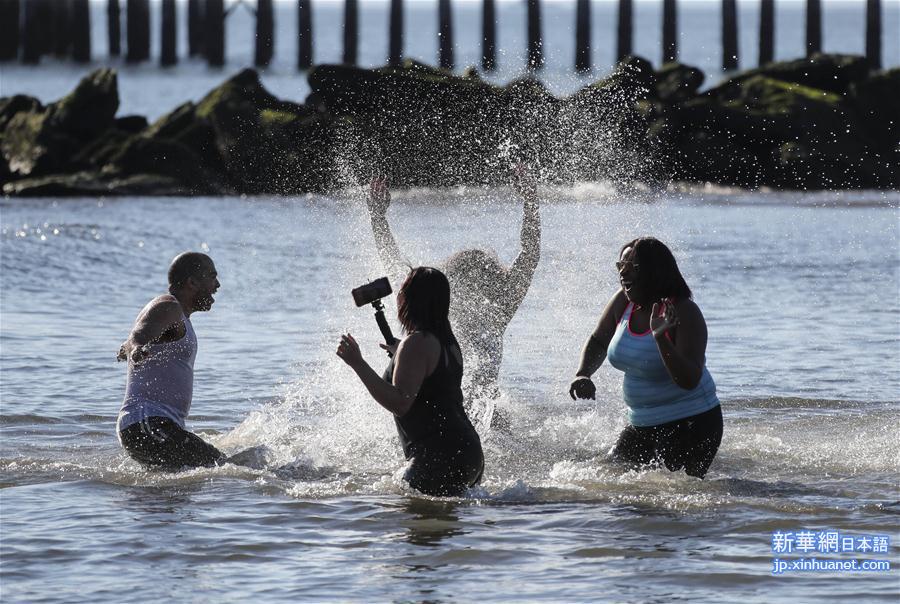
(437, 416)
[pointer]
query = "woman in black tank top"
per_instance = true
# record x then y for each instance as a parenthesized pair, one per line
(422, 388)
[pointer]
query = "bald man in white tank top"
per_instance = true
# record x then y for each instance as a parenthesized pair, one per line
(160, 352)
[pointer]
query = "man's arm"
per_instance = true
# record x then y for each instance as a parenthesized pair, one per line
(522, 270)
(158, 318)
(378, 201)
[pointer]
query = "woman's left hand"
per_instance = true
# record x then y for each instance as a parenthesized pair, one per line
(662, 320)
(349, 351)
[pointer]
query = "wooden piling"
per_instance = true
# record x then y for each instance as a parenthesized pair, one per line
(214, 32)
(81, 31)
(670, 31)
(62, 28)
(31, 39)
(395, 43)
(195, 28)
(351, 31)
(265, 33)
(813, 27)
(766, 32)
(583, 35)
(729, 35)
(9, 30)
(625, 29)
(873, 33)
(445, 34)
(46, 26)
(304, 34)
(535, 44)
(137, 30)
(114, 27)
(488, 35)
(169, 50)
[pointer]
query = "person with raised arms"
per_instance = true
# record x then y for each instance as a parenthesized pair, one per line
(486, 294)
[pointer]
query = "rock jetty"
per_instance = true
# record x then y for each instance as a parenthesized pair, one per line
(826, 122)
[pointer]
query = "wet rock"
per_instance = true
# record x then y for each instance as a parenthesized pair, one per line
(829, 72)
(130, 123)
(39, 140)
(99, 151)
(244, 88)
(145, 155)
(676, 82)
(824, 122)
(92, 184)
(32, 145)
(877, 102)
(184, 126)
(90, 109)
(10, 106)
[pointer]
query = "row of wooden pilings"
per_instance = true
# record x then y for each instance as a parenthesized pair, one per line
(32, 28)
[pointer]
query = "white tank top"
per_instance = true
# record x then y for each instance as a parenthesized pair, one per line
(163, 383)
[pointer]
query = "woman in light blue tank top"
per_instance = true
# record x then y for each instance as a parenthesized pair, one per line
(653, 332)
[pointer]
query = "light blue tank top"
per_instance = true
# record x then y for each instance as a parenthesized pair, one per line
(653, 398)
(162, 385)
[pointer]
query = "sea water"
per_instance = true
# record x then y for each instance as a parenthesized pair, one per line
(799, 292)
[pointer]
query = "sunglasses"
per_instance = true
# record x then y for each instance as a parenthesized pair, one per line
(623, 264)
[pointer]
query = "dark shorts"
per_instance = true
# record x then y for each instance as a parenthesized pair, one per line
(161, 443)
(445, 470)
(690, 443)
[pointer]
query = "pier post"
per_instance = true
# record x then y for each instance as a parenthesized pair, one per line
(214, 32)
(729, 35)
(169, 49)
(625, 29)
(766, 32)
(583, 35)
(114, 27)
(137, 30)
(670, 31)
(9, 30)
(195, 28)
(351, 31)
(81, 31)
(813, 27)
(873, 33)
(489, 35)
(445, 34)
(46, 26)
(535, 44)
(395, 44)
(265, 33)
(62, 28)
(304, 34)
(31, 39)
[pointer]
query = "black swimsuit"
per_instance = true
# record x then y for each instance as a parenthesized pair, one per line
(436, 433)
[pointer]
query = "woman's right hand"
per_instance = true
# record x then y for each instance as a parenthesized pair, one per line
(379, 198)
(349, 351)
(582, 387)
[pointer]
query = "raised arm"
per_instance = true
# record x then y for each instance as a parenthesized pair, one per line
(378, 201)
(522, 270)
